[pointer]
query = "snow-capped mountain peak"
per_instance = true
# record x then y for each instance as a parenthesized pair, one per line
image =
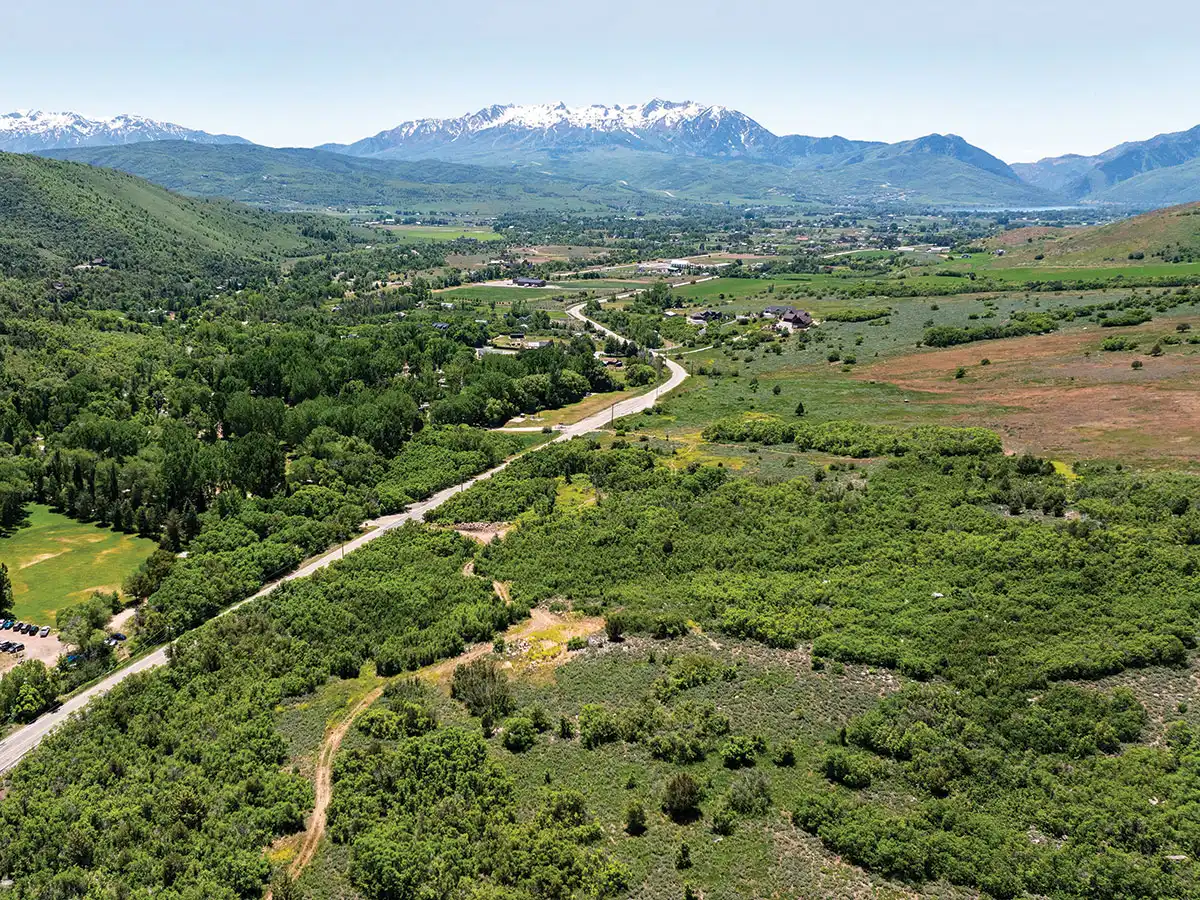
(680, 127)
(29, 131)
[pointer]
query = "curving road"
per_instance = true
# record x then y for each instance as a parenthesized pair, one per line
(14, 748)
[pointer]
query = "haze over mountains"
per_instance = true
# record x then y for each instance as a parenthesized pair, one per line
(659, 151)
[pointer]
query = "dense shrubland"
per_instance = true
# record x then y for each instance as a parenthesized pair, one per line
(925, 564)
(172, 784)
(856, 439)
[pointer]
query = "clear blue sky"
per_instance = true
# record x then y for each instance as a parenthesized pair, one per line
(1023, 79)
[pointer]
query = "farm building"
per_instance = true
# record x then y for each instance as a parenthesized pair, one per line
(529, 282)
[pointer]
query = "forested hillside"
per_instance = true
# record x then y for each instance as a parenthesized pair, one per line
(55, 216)
(291, 178)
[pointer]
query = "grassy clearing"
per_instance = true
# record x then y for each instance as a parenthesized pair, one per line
(303, 723)
(441, 233)
(55, 562)
(576, 494)
(574, 412)
(776, 695)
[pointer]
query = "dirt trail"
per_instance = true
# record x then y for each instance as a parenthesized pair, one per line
(540, 622)
(323, 786)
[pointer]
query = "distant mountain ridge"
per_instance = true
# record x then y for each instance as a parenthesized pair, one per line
(1155, 172)
(679, 128)
(32, 131)
(677, 146)
(666, 149)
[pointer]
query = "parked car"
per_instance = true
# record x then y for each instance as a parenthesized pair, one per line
(45, 632)
(119, 636)
(18, 648)
(19, 628)
(8, 623)
(4, 645)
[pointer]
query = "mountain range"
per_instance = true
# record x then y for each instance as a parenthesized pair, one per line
(497, 133)
(32, 131)
(661, 150)
(1161, 171)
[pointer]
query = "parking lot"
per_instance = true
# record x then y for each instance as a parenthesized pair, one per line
(47, 649)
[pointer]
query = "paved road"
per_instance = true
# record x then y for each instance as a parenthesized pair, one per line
(15, 746)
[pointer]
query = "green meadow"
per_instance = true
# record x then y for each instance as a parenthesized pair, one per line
(985, 264)
(55, 562)
(441, 233)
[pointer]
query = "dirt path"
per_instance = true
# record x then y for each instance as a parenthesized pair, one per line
(323, 787)
(532, 634)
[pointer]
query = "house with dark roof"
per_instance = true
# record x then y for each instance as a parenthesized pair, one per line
(704, 317)
(795, 320)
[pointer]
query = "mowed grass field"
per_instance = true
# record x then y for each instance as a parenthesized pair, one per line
(441, 233)
(55, 562)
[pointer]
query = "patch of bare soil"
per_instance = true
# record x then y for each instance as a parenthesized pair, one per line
(484, 532)
(1059, 394)
(537, 644)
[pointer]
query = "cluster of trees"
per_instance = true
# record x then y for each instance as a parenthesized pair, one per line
(433, 812)
(856, 439)
(1022, 323)
(498, 387)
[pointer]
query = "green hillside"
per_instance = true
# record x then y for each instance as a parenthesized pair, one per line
(903, 174)
(55, 215)
(1159, 187)
(1163, 236)
(611, 178)
(306, 179)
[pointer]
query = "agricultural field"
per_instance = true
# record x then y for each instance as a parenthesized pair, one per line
(55, 562)
(440, 233)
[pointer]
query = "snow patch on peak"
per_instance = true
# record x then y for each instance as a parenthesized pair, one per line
(546, 116)
(29, 130)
